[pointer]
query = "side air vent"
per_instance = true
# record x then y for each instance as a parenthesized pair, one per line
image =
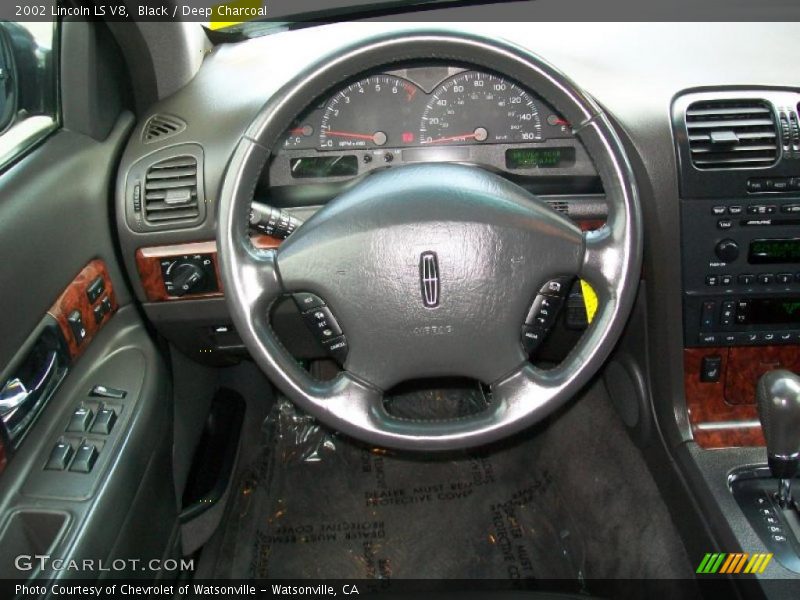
(171, 191)
(727, 134)
(159, 127)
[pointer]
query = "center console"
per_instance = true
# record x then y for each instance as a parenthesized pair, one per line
(739, 157)
(739, 160)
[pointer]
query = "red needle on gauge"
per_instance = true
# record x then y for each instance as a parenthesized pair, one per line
(479, 134)
(350, 134)
(453, 138)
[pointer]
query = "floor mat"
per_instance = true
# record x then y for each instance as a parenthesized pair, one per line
(318, 505)
(571, 499)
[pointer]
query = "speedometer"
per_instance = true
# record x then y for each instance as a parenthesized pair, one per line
(476, 107)
(370, 113)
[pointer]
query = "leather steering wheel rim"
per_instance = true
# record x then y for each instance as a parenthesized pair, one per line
(608, 258)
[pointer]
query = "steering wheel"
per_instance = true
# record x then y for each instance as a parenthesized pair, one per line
(431, 269)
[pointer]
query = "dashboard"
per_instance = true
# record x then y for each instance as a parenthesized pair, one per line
(646, 77)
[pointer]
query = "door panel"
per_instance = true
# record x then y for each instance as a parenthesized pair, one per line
(92, 466)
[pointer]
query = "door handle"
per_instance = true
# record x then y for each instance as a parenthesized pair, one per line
(16, 397)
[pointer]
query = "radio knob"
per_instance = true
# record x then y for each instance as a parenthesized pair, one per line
(727, 250)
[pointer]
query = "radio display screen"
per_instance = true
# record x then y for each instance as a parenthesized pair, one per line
(773, 311)
(764, 252)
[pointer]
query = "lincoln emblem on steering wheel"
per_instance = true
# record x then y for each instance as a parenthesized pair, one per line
(429, 279)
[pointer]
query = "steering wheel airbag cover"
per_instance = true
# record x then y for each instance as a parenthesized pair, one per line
(494, 246)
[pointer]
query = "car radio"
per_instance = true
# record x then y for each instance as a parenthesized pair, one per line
(741, 269)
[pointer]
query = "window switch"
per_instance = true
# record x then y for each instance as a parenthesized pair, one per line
(102, 391)
(104, 422)
(59, 456)
(85, 457)
(711, 369)
(80, 420)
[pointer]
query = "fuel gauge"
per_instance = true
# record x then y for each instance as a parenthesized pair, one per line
(299, 136)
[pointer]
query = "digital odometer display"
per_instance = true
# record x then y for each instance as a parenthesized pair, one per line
(774, 311)
(540, 158)
(774, 251)
(324, 166)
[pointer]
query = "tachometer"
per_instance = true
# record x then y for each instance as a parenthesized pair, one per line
(371, 113)
(475, 107)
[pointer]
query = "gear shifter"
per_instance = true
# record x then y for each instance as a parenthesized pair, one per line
(778, 396)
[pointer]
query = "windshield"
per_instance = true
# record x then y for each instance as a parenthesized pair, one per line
(252, 18)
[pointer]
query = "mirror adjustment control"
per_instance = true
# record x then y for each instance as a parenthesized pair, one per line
(337, 348)
(322, 323)
(59, 456)
(85, 457)
(80, 420)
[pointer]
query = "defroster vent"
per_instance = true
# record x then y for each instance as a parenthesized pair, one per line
(727, 134)
(171, 192)
(159, 127)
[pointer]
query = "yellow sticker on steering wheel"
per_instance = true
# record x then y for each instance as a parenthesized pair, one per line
(589, 300)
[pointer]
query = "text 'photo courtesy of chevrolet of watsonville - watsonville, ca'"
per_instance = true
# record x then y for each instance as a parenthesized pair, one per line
(399, 298)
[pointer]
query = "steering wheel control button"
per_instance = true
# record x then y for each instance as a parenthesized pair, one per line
(306, 301)
(532, 337)
(104, 422)
(80, 420)
(337, 348)
(544, 311)
(557, 287)
(85, 457)
(59, 456)
(322, 323)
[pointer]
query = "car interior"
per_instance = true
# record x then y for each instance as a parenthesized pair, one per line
(378, 300)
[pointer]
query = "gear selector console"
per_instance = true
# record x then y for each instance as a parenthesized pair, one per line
(765, 494)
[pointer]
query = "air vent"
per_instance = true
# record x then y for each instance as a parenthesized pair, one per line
(170, 191)
(726, 134)
(159, 127)
(559, 205)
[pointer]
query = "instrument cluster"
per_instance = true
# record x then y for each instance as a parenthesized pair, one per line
(397, 109)
(427, 114)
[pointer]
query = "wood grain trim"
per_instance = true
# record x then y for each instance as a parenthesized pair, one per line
(724, 414)
(75, 298)
(590, 224)
(148, 263)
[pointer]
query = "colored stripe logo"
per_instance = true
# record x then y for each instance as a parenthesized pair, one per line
(733, 563)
